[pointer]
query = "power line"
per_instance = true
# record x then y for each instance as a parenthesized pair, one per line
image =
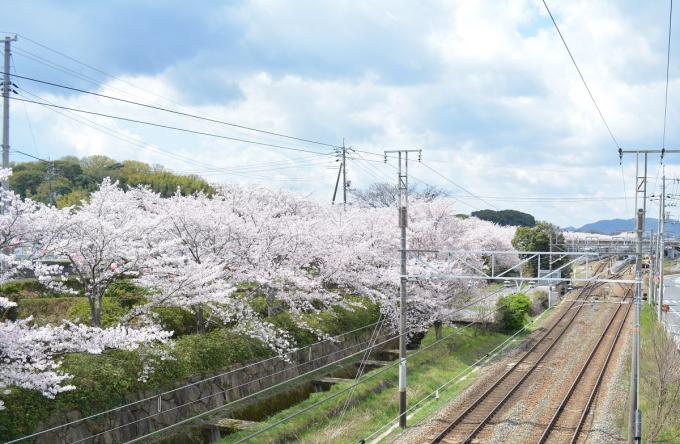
(170, 127)
(581, 75)
(181, 113)
(469, 369)
(111, 76)
(668, 64)
(106, 130)
(457, 331)
(23, 105)
(459, 186)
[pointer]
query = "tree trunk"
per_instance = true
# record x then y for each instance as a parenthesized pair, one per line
(198, 316)
(97, 310)
(271, 301)
(438, 329)
(93, 310)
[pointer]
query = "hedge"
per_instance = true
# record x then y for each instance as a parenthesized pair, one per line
(104, 380)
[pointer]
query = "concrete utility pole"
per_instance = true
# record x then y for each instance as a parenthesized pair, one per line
(651, 270)
(344, 175)
(662, 222)
(51, 175)
(634, 414)
(6, 87)
(403, 222)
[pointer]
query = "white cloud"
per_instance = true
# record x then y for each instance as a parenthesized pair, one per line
(486, 89)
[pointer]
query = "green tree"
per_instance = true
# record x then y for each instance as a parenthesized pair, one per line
(506, 217)
(75, 178)
(513, 311)
(538, 238)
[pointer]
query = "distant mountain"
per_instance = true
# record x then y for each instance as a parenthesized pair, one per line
(616, 226)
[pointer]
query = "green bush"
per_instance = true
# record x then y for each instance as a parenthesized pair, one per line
(23, 410)
(178, 320)
(30, 287)
(513, 311)
(47, 310)
(300, 335)
(339, 319)
(111, 313)
(126, 292)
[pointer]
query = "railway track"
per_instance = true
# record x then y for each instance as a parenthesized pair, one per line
(477, 415)
(567, 422)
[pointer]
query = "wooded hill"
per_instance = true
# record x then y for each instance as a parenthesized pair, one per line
(72, 179)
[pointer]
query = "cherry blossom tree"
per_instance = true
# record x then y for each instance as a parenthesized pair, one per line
(364, 257)
(193, 263)
(29, 354)
(280, 247)
(103, 239)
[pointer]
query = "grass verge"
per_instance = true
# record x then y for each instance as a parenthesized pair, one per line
(375, 401)
(659, 381)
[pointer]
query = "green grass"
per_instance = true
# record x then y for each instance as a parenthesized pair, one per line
(375, 401)
(670, 431)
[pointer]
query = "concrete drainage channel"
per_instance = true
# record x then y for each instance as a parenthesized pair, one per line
(249, 415)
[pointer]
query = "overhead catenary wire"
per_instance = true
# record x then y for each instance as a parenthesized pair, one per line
(668, 64)
(487, 357)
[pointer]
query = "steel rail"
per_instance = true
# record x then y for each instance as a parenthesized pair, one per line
(589, 403)
(589, 360)
(586, 290)
(533, 367)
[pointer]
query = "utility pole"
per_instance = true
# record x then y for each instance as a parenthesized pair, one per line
(651, 270)
(342, 153)
(403, 222)
(634, 414)
(550, 261)
(50, 175)
(662, 222)
(344, 175)
(6, 86)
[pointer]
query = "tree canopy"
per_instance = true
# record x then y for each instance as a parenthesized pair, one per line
(506, 217)
(538, 238)
(73, 179)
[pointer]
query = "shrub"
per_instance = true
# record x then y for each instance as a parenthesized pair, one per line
(30, 288)
(512, 311)
(46, 310)
(111, 314)
(539, 302)
(178, 320)
(285, 321)
(126, 292)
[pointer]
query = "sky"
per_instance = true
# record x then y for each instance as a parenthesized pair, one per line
(485, 88)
